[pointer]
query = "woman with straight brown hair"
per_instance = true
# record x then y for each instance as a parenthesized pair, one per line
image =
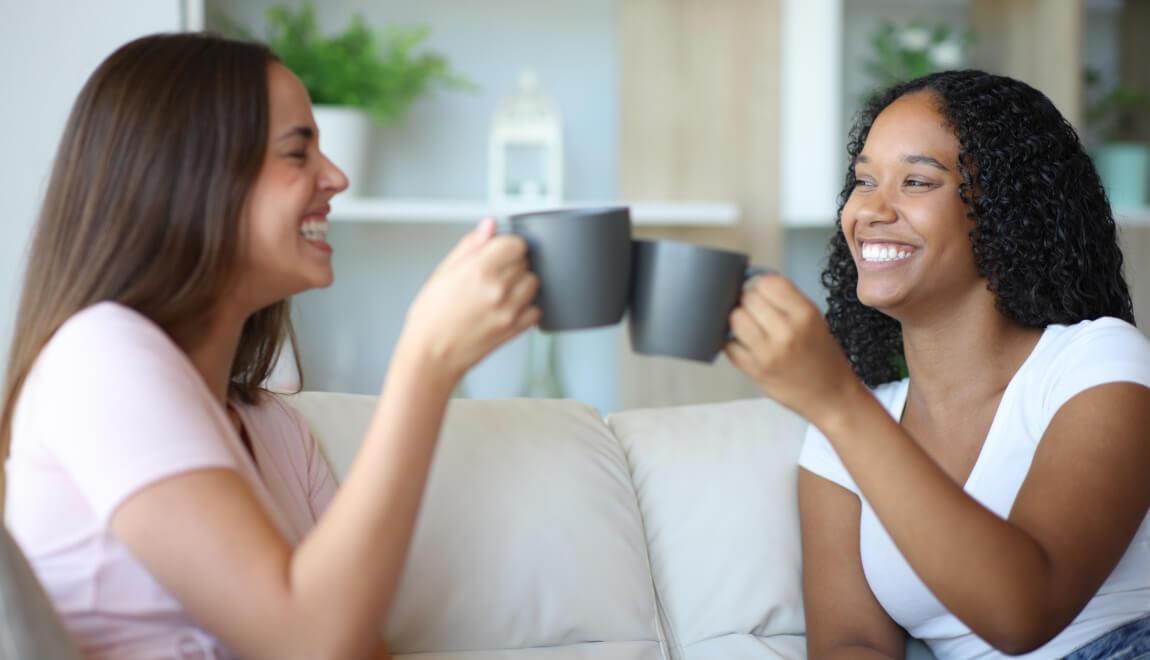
(171, 507)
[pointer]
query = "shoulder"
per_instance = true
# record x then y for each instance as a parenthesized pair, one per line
(109, 333)
(1104, 347)
(1070, 359)
(120, 406)
(109, 360)
(1103, 336)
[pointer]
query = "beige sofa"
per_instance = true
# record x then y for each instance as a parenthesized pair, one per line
(548, 532)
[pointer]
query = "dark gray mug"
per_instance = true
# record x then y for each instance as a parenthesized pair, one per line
(681, 297)
(582, 258)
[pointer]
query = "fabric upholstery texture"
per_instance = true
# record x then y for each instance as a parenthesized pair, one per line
(716, 486)
(529, 536)
(548, 531)
(29, 625)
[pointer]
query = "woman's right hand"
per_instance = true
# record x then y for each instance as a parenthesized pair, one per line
(479, 297)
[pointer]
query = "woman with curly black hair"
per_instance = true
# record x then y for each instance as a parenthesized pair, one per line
(996, 500)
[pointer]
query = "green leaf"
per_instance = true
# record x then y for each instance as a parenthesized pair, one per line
(382, 73)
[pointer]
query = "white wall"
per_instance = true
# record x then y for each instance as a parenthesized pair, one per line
(49, 49)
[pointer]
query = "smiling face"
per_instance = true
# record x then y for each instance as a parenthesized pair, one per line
(904, 221)
(285, 218)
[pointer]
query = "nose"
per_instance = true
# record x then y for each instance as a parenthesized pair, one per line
(875, 207)
(332, 178)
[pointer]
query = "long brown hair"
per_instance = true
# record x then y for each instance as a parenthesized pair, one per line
(143, 206)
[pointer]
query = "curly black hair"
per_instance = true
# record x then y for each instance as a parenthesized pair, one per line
(1042, 231)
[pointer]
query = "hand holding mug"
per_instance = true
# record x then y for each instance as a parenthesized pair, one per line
(479, 297)
(784, 344)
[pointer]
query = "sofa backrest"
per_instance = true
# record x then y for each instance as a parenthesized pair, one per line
(667, 533)
(529, 536)
(29, 624)
(716, 486)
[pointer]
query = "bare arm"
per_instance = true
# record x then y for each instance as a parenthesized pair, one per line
(1016, 583)
(844, 620)
(204, 536)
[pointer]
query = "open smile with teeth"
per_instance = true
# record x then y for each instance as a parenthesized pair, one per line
(314, 230)
(880, 252)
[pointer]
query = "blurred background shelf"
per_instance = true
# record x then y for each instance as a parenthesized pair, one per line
(438, 211)
(722, 123)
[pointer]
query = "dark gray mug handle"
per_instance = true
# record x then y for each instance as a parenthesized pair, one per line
(751, 273)
(755, 271)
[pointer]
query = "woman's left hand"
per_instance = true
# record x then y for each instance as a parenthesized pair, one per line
(783, 343)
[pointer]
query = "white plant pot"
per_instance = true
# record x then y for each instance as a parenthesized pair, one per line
(345, 138)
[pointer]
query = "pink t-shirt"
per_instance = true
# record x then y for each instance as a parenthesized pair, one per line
(112, 405)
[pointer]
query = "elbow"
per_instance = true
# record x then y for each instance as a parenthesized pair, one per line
(328, 652)
(1024, 633)
(350, 647)
(1021, 644)
(316, 645)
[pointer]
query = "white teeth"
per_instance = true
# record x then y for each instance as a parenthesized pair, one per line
(872, 252)
(314, 230)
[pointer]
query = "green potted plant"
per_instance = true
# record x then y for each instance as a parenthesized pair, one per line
(904, 52)
(1123, 160)
(355, 78)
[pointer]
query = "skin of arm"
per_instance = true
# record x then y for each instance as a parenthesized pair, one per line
(1017, 582)
(327, 598)
(843, 618)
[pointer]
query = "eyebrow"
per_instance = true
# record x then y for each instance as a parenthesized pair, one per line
(912, 159)
(298, 131)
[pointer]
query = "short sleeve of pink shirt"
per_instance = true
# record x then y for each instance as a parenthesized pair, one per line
(120, 406)
(111, 406)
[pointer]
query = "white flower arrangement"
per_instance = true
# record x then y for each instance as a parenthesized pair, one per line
(905, 52)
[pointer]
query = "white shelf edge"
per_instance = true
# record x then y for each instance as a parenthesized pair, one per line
(427, 211)
(1132, 217)
(809, 222)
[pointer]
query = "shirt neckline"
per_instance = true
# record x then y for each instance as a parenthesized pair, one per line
(989, 447)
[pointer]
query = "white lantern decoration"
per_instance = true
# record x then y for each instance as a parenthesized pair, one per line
(525, 153)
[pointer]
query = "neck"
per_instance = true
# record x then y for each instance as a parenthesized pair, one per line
(214, 351)
(966, 355)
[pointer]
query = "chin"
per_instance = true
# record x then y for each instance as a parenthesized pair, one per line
(885, 301)
(318, 282)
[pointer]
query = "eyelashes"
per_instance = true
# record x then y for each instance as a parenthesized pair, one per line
(909, 183)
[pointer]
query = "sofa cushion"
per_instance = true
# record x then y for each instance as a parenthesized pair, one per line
(29, 625)
(739, 646)
(529, 535)
(717, 489)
